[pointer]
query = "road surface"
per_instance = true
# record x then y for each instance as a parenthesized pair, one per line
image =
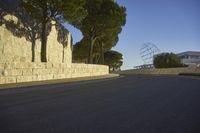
(129, 104)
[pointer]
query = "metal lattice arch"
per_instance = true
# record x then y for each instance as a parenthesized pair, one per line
(147, 52)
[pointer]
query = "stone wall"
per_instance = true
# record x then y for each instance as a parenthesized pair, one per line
(25, 72)
(16, 59)
(19, 49)
(12, 48)
(170, 71)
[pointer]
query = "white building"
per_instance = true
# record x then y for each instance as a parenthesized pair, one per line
(191, 58)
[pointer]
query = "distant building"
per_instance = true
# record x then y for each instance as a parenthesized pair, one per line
(191, 58)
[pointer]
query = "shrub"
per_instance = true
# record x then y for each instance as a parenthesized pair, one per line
(167, 60)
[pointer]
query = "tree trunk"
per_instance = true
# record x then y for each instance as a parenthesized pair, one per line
(44, 37)
(101, 54)
(63, 55)
(64, 44)
(33, 49)
(90, 57)
(97, 58)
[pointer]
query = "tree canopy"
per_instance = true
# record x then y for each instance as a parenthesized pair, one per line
(80, 51)
(101, 27)
(27, 26)
(113, 59)
(7, 7)
(167, 60)
(59, 10)
(100, 22)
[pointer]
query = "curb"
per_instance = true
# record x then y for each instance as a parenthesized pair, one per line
(58, 81)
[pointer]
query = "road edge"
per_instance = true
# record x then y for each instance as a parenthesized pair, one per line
(58, 81)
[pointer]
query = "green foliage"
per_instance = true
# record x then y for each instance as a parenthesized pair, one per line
(113, 59)
(62, 34)
(101, 26)
(59, 10)
(80, 51)
(99, 20)
(7, 7)
(167, 60)
(27, 26)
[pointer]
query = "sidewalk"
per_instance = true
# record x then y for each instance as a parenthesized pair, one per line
(47, 82)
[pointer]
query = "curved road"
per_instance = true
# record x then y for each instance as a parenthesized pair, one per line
(129, 104)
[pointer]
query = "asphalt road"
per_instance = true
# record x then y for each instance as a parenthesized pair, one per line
(130, 104)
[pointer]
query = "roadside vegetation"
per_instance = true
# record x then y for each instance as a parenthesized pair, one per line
(113, 59)
(100, 22)
(167, 60)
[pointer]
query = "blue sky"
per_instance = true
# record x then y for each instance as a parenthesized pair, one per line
(172, 25)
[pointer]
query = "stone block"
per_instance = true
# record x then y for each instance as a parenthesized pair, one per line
(40, 65)
(8, 49)
(49, 65)
(38, 71)
(2, 80)
(61, 65)
(53, 71)
(31, 65)
(59, 76)
(73, 70)
(45, 77)
(2, 73)
(49, 77)
(1, 45)
(26, 72)
(6, 58)
(1, 58)
(66, 70)
(2, 66)
(10, 79)
(46, 71)
(40, 77)
(68, 65)
(16, 58)
(60, 71)
(85, 74)
(12, 72)
(56, 65)
(1, 52)
(8, 66)
(68, 75)
(35, 78)
(24, 79)
(21, 65)
(75, 75)
(65, 66)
